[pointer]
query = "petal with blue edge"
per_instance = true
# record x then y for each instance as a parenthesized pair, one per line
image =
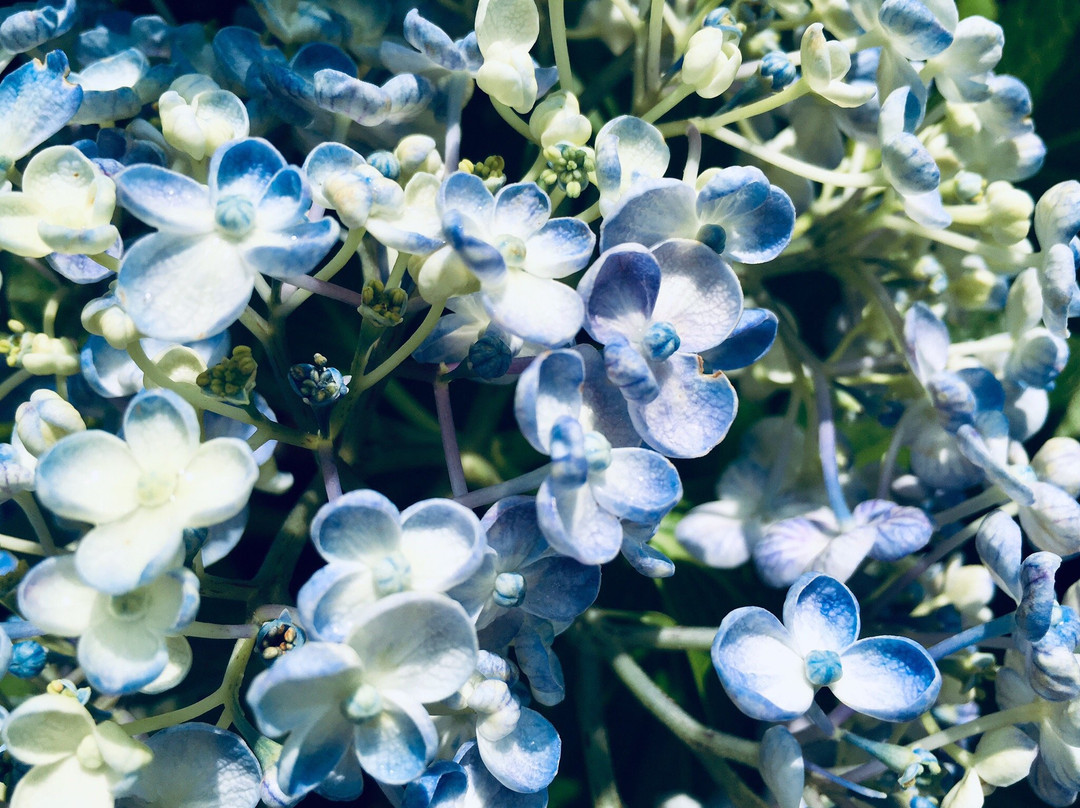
(549, 389)
(619, 291)
(443, 542)
(639, 485)
(467, 194)
(244, 168)
(759, 667)
(821, 614)
(750, 340)
(129, 552)
(914, 29)
(560, 247)
(312, 751)
(35, 102)
(538, 310)
(651, 212)
(162, 431)
(285, 201)
(999, 545)
(355, 526)
(396, 745)
(292, 251)
(891, 678)
(164, 199)
(182, 289)
(575, 525)
(527, 759)
(332, 599)
(699, 294)
(121, 658)
(693, 411)
(520, 210)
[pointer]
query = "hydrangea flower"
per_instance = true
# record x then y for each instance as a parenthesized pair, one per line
(592, 486)
(465, 782)
(140, 492)
(628, 151)
(509, 245)
(73, 762)
(771, 670)
(654, 311)
(374, 550)
(198, 117)
(121, 637)
(65, 205)
(365, 697)
(193, 277)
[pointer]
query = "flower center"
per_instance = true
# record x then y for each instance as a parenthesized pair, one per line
(513, 250)
(509, 590)
(823, 668)
(156, 488)
(234, 216)
(714, 236)
(391, 574)
(660, 341)
(364, 703)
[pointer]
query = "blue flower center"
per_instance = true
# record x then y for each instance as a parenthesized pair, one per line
(823, 668)
(364, 703)
(234, 216)
(509, 590)
(660, 341)
(130, 605)
(391, 574)
(714, 236)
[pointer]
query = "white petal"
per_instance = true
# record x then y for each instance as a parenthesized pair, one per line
(54, 598)
(90, 477)
(217, 482)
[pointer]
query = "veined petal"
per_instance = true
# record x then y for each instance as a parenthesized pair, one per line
(396, 745)
(89, 476)
(627, 150)
(333, 598)
(639, 485)
(520, 210)
(692, 412)
(914, 29)
(418, 643)
(575, 525)
(313, 751)
(821, 614)
(35, 102)
(216, 482)
(121, 658)
(184, 289)
(357, 526)
(527, 759)
(467, 194)
(513, 23)
(164, 199)
(162, 431)
(54, 598)
(891, 678)
(699, 294)
(619, 292)
(549, 389)
(759, 667)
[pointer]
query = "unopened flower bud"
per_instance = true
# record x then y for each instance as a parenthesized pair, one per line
(1010, 211)
(558, 119)
(712, 60)
(1058, 462)
(45, 419)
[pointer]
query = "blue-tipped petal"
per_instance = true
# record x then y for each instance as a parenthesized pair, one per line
(36, 101)
(914, 29)
(650, 212)
(927, 340)
(699, 294)
(548, 389)
(527, 759)
(467, 194)
(629, 371)
(757, 662)
(396, 745)
(900, 530)
(627, 150)
(244, 168)
(1034, 614)
(27, 29)
(285, 201)
(620, 291)
(890, 678)
(482, 259)
(998, 543)
(291, 251)
(560, 247)
(646, 560)
(332, 598)
(639, 485)
(909, 165)
(520, 210)
(355, 525)
(821, 614)
(433, 42)
(752, 338)
(974, 448)
(165, 200)
(443, 785)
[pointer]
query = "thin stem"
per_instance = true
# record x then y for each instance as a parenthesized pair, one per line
(170, 719)
(431, 319)
(17, 545)
(888, 462)
(809, 171)
(234, 675)
(1013, 258)
(335, 265)
(830, 469)
(513, 119)
(215, 631)
(667, 103)
(108, 261)
(997, 627)
(17, 378)
(693, 155)
(557, 19)
(330, 290)
(26, 502)
(1023, 714)
(990, 498)
(329, 470)
(458, 486)
(589, 702)
(455, 99)
(666, 638)
(652, 46)
(785, 96)
(493, 493)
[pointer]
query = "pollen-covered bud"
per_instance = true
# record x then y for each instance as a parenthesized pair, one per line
(570, 167)
(318, 385)
(278, 637)
(233, 378)
(384, 306)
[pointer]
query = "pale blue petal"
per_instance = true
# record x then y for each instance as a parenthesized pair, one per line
(603, 406)
(909, 165)
(913, 28)
(1034, 614)
(627, 149)
(821, 614)
(699, 294)
(467, 194)
(83, 269)
(326, 160)
(183, 289)
(483, 259)
(692, 412)
(759, 666)
(999, 545)
(286, 200)
(549, 389)
(121, 658)
(346, 95)
(244, 168)
(560, 247)
(292, 251)
(454, 334)
(718, 535)
(486, 790)
(890, 678)
(927, 209)
(645, 559)
(397, 744)
(31, 28)
(540, 310)
(619, 292)
(527, 759)
(164, 199)
(974, 448)
(443, 785)
(559, 588)
(333, 598)
(312, 752)
(312, 679)
(356, 526)
(433, 42)
(443, 542)
(901, 530)
(653, 210)
(513, 532)
(575, 525)
(521, 209)
(1057, 214)
(639, 485)
(761, 234)
(787, 549)
(532, 648)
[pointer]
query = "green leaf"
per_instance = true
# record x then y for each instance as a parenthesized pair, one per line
(1037, 42)
(982, 8)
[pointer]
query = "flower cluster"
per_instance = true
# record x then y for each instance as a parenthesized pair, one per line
(190, 212)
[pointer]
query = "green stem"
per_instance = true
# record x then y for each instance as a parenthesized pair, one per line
(1023, 714)
(652, 46)
(667, 638)
(25, 501)
(17, 545)
(1011, 257)
(668, 103)
(518, 485)
(17, 378)
(104, 259)
(431, 319)
(793, 91)
(234, 675)
(557, 19)
(170, 719)
(514, 120)
(332, 268)
(214, 631)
